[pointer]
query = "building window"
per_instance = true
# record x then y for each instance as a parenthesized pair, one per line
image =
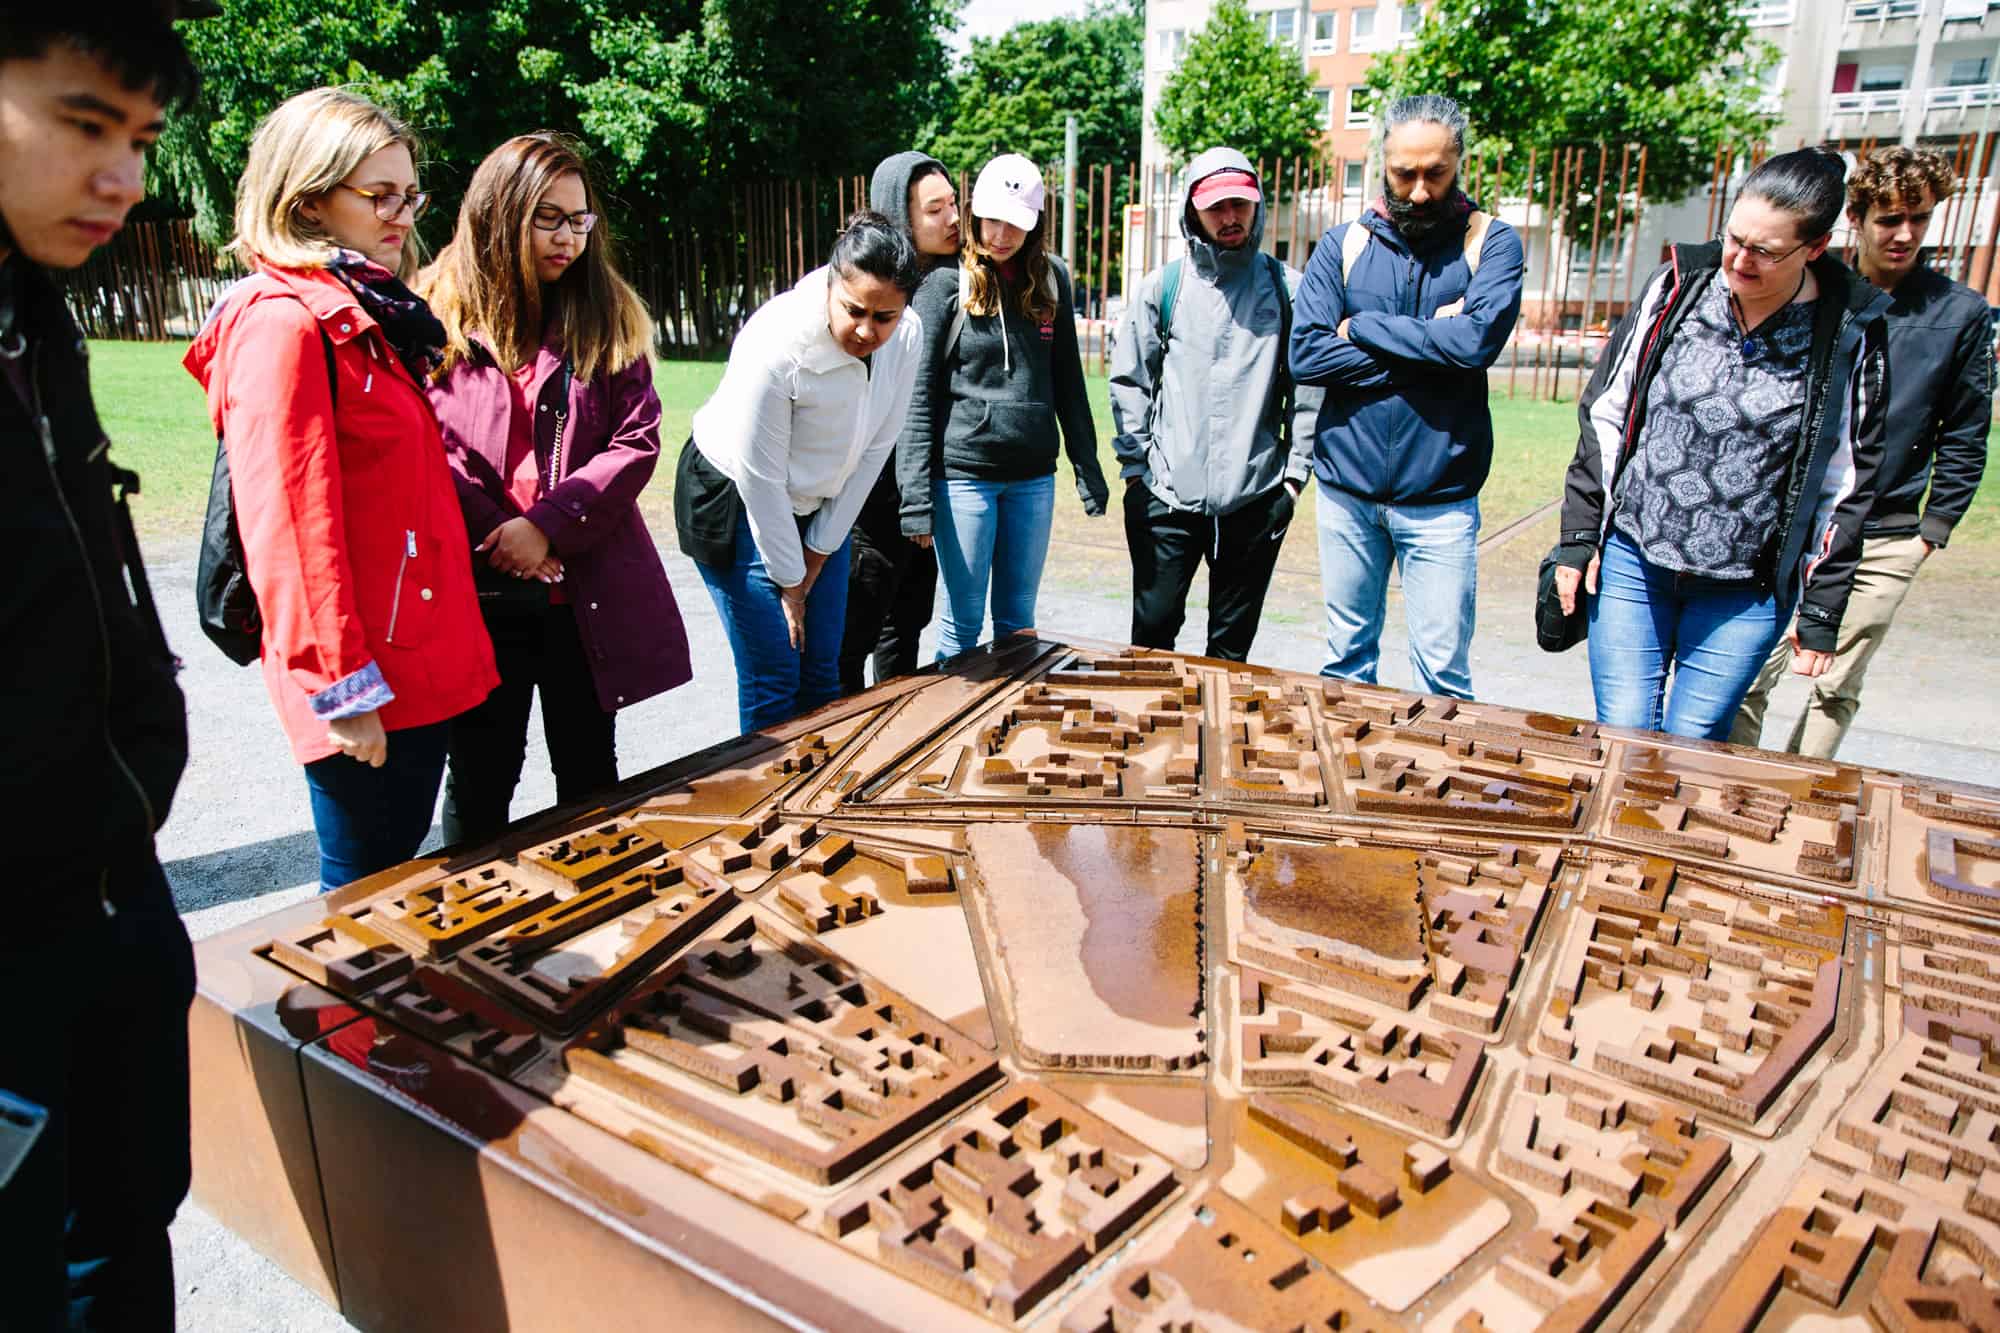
(1361, 30)
(1412, 18)
(1967, 73)
(1326, 34)
(1350, 177)
(1357, 107)
(1282, 26)
(1170, 46)
(1882, 78)
(1323, 98)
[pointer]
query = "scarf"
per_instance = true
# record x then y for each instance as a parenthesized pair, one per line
(407, 322)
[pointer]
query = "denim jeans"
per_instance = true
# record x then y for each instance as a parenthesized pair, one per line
(1436, 548)
(369, 819)
(100, 1040)
(774, 681)
(1645, 621)
(990, 531)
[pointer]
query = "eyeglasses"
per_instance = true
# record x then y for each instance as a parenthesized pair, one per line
(389, 207)
(1759, 256)
(550, 218)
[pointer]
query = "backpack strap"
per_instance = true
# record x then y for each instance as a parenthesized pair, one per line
(1170, 291)
(1355, 239)
(1352, 242)
(1475, 240)
(958, 316)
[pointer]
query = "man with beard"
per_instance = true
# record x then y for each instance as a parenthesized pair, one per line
(1211, 444)
(1934, 446)
(1400, 315)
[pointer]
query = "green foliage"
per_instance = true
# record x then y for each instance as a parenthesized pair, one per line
(1013, 91)
(1237, 88)
(1680, 76)
(675, 96)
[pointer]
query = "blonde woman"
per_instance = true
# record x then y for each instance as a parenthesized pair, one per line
(352, 539)
(1000, 383)
(553, 429)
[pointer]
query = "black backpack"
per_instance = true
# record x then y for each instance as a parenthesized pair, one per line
(223, 597)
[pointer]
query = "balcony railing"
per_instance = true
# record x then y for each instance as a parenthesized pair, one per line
(1963, 97)
(1861, 104)
(1877, 11)
(1767, 13)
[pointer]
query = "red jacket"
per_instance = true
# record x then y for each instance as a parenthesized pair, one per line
(351, 531)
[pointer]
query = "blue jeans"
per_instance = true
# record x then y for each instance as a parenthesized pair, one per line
(1436, 548)
(369, 819)
(774, 681)
(1712, 634)
(990, 531)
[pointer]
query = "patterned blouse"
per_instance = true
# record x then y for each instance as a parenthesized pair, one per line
(1702, 492)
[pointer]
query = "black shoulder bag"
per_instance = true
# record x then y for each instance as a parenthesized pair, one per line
(224, 600)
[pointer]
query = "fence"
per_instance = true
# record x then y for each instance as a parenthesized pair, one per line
(1579, 210)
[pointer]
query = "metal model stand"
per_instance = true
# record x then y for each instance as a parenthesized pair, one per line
(1075, 987)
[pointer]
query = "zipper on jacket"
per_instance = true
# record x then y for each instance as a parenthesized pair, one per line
(48, 438)
(402, 567)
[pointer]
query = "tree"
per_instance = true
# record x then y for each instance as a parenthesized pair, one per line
(677, 98)
(1679, 76)
(1013, 91)
(1237, 88)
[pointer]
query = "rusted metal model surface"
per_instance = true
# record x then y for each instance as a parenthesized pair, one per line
(1087, 989)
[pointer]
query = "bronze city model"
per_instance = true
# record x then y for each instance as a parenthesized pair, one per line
(1087, 989)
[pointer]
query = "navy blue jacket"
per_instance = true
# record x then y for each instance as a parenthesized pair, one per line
(1405, 418)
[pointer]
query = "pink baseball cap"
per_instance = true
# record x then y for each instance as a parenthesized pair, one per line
(1230, 183)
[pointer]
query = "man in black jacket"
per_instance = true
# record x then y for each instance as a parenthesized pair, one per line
(1940, 406)
(95, 964)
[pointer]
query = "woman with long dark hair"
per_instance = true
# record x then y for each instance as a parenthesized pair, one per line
(549, 414)
(783, 456)
(1731, 435)
(1001, 383)
(315, 367)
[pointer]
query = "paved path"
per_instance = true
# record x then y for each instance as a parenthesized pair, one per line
(240, 842)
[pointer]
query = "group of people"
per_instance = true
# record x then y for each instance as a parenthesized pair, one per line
(435, 472)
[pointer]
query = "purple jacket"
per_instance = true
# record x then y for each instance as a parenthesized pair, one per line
(625, 610)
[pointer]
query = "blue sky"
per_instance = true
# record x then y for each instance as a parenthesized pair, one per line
(990, 18)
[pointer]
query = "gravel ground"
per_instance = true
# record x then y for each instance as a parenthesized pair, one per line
(240, 842)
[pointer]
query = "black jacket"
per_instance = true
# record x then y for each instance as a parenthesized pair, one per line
(992, 407)
(97, 736)
(1835, 461)
(1940, 406)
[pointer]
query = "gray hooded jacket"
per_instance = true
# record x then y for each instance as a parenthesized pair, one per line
(1204, 429)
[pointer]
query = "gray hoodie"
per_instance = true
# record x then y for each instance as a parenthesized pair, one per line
(1204, 429)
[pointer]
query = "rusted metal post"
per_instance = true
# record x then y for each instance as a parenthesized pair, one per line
(1618, 233)
(1638, 213)
(1590, 278)
(1527, 220)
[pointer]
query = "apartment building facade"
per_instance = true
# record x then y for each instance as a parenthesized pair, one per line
(1336, 41)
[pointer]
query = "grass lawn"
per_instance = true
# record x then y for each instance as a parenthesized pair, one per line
(158, 424)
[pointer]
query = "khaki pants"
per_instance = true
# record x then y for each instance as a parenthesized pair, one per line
(1881, 581)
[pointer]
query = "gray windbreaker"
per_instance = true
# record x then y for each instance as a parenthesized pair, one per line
(1203, 429)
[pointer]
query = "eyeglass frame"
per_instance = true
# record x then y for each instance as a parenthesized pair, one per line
(414, 201)
(562, 219)
(1759, 256)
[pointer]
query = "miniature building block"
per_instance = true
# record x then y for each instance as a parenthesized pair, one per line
(1076, 829)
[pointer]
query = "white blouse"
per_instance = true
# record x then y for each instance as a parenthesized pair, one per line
(803, 428)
